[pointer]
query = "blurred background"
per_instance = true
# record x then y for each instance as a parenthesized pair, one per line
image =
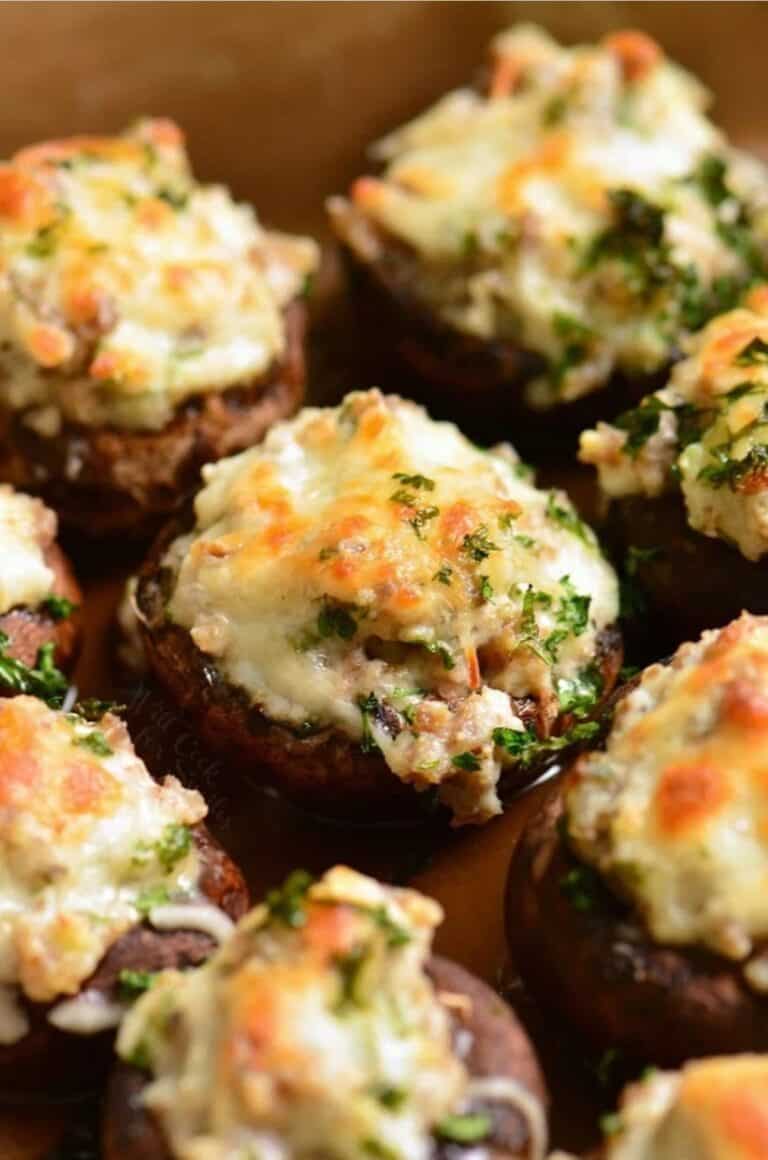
(279, 99)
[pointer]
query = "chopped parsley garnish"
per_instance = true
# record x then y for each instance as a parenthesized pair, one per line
(554, 111)
(635, 239)
(93, 709)
(350, 968)
(286, 903)
(753, 354)
(579, 886)
(174, 844)
(96, 742)
(525, 745)
(571, 618)
(466, 761)
(469, 1128)
(441, 650)
(417, 481)
(507, 520)
(336, 619)
(150, 898)
(611, 1124)
(640, 423)
(576, 338)
(524, 541)
(390, 1097)
(44, 242)
(44, 680)
(327, 553)
(409, 499)
(710, 176)
(58, 607)
(373, 1147)
(567, 518)
(172, 197)
(132, 983)
(477, 545)
(580, 694)
(444, 574)
(369, 706)
(397, 936)
(421, 517)
(733, 472)
(486, 589)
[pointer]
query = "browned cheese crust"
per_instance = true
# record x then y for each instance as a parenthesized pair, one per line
(49, 1061)
(326, 771)
(28, 629)
(599, 967)
(499, 1047)
(127, 481)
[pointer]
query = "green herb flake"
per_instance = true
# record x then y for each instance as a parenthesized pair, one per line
(469, 1128)
(567, 518)
(132, 983)
(336, 619)
(755, 353)
(58, 607)
(611, 1124)
(443, 574)
(579, 886)
(174, 198)
(733, 472)
(286, 903)
(389, 1097)
(350, 966)
(44, 242)
(420, 482)
(175, 844)
(580, 694)
(96, 742)
(485, 590)
(43, 680)
(467, 761)
(150, 898)
(477, 545)
(441, 650)
(92, 709)
(369, 707)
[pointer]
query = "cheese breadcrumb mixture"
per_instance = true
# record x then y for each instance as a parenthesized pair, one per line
(673, 814)
(370, 570)
(584, 208)
(89, 846)
(27, 530)
(127, 287)
(313, 1031)
(705, 434)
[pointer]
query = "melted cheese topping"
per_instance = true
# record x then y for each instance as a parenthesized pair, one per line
(674, 812)
(706, 432)
(714, 1109)
(87, 841)
(27, 529)
(126, 287)
(314, 1030)
(512, 226)
(369, 569)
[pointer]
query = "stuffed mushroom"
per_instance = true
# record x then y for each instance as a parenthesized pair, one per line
(106, 876)
(324, 1026)
(148, 324)
(367, 602)
(684, 477)
(39, 601)
(637, 905)
(557, 232)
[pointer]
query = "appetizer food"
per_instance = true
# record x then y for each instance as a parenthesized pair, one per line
(148, 325)
(559, 231)
(324, 1027)
(637, 904)
(39, 600)
(367, 601)
(105, 876)
(713, 1109)
(685, 476)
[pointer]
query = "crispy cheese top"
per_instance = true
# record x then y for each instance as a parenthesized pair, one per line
(27, 530)
(674, 812)
(369, 569)
(705, 433)
(126, 286)
(87, 841)
(714, 1109)
(585, 207)
(313, 1031)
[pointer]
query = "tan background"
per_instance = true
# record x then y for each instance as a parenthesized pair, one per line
(279, 101)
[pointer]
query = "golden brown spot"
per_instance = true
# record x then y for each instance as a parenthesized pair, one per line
(688, 794)
(548, 158)
(744, 1116)
(745, 704)
(637, 53)
(84, 787)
